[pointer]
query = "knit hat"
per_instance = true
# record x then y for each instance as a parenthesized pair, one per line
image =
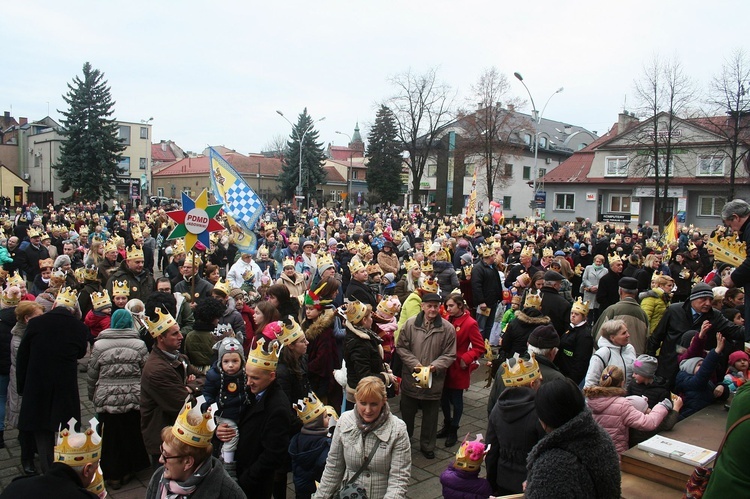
(645, 365)
(62, 260)
(559, 401)
(236, 292)
(332, 242)
(689, 365)
(640, 402)
(230, 345)
(544, 337)
(701, 290)
(466, 257)
(738, 355)
(121, 319)
(390, 277)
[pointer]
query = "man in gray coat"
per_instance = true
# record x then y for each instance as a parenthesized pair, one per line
(631, 312)
(426, 340)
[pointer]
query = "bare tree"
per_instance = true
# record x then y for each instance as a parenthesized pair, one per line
(421, 106)
(275, 147)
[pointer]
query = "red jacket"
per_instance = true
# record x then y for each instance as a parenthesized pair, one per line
(97, 322)
(469, 347)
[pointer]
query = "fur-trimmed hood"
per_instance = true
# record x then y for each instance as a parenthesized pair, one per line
(323, 322)
(593, 392)
(365, 334)
(536, 321)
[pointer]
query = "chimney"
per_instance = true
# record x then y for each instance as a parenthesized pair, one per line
(6, 115)
(512, 108)
(624, 121)
(163, 146)
(568, 129)
(23, 121)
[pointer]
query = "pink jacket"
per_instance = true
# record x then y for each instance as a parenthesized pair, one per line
(616, 415)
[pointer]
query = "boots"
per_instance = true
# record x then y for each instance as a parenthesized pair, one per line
(452, 437)
(445, 429)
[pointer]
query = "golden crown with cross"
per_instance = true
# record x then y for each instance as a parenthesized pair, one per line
(262, 357)
(309, 408)
(76, 449)
(193, 427)
(67, 297)
(163, 322)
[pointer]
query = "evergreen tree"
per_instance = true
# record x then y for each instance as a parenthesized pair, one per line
(384, 154)
(90, 155)
(313, 158)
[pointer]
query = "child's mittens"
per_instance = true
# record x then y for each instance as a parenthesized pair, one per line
(666, 403)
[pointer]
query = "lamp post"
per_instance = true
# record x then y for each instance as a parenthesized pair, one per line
(301, 140)
(536, 117)
(348, 173)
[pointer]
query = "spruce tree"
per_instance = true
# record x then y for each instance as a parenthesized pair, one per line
(313, 158)
(90, 154)
(384, 155)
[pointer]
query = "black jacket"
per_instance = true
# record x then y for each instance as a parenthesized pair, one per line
(574, 354)
(60, 482)
(556, 308)
(517, 333)
(7, 321)
(609, 290)
(361, 291)
(486, 286)
(741, 275)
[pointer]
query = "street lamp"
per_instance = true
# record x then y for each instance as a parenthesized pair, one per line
(536, 117)
(348, 173)
(301, 140)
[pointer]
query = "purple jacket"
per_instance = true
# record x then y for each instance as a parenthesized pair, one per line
(459, 484)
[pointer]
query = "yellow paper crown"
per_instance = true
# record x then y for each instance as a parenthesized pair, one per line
(485, 251)
(614, 259)
(110, 246)
(290, 332)
(325, 261)
(351, 245)
(266, 360)
(580, 306)
(355, 265)
(728, 250)
(410, 265)
(427, 266)
(11, 299)
(521, 372)
(288, 262)
(96, 486)
(293, 240)
(527, 251)
(353, 311)
(270, 226)
(374, 268)
(471, 454)
(533, 300)
(223, 286)
(423, 377)
(77, 449)
(164, 321)
(248, 275)
(189, 258)
(32, 232)
(179, 247)
(135, 232)
(15, 279)
(67, 296)
(80, 274)
(389, 305)
(691, 246)
(120, 288)
(134, 252)
(263, 250)
(548, 252)
(309, 408)
(193, 427)
(100, 300)
(430, 285)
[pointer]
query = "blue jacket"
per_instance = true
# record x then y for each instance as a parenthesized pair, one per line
(697, 390)
(309, 454)
(230, 402)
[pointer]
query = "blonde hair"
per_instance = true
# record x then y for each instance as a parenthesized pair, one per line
(370, 387)
(611, 327)
(612, 376)
(199, 454)
(25, 308)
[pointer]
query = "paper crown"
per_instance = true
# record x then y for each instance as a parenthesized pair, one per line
(309, 408)
(248, 275)
(290, 331)
(426, 266)
(578, 270)
(471, 453)
(179, 247)
(32, 232)
(289, 262)
(423, 377)
(354, 311)
(193, 427)
(580, 306)
(374, 268)
(548, 252)
(263, 250)
(293, 240)
(485, 251)
(614, 259)
(120, 288)
(266, 360)
(355, 265)
(728, 250)
(15, 279)
(223, 286)
(67, 297)
(100, 300)
(352, 245)
(428, 248)
(134, 252)
(193, 255)
(527, 251)
(325, 261)
(389, 306)
(76, 449)
(164, 321)
(57, 278)
(691, 246)
(533, 300)
(47, 263)
(110, 246)
(430, 285)
(270, 226)
(410, 265)
(96, 486)
(11, 298)
(521, 372)
(135, 232)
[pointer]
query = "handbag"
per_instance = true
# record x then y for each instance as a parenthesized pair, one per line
(698, 481)
(351, 489)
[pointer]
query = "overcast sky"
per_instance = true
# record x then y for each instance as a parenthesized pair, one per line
(216, 72)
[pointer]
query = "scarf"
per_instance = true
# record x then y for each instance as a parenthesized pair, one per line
(172, 489)
(366, 428)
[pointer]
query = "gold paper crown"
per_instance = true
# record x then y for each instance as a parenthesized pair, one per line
(248, 275)
(523, 279)
(134, 252)
(223, 286)
(293, 240)
(430, 285)
(533, 300)
(164, 321)
(351, 245)
(189, 258)
(77, 449)
(193, 427)
(309, 408)
(32, 232)
(389, 305)
(580, 306)
(57, 278)
(47, 263)
(423, 377)
(527, 251)
(84, 231)
(410, 265)
(135, 232)
(15, 279)
(325, 261)
(110, 246)
(365, 249)
(471, 454)
(270, 226)
(353, 311)
(179, 247)
(521, 373)
(728, 250)
(578, 270)
(90, 272)
(44, 236)
(120, 288)
(100, 300)
(614, 259)
(262, 359)
(288, 262)
(96, 486)
(290, 332)
(67, 296)
(374, 268)
(355, 265)
(428, 248)
(11, 299)
(548, 252)
(497, 246)
(79, 273)
(427, 266)
(691, 246)
(263, 250)
(485, 251)
(398, 237)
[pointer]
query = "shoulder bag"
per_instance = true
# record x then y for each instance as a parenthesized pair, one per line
(351, 489)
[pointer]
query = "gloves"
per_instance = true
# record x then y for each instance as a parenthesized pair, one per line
(666, 403)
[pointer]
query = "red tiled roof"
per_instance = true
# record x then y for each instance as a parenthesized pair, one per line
(332, 175)
(577, 167)
(160, 156)
(354, 163)
(340, 153)
(186, 166)
(249, 164)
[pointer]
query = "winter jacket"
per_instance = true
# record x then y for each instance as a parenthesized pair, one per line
(574, 461)
(14, 399)
(199, 347)
(217, 388)
(97, 322)
(322, 354)
(462, 484)
(115, 368)
(309, 454)
(513, 430)
(402, 290)
(232, 317)
(469, 348)
(359, 291)
(7, 321)
(548, 369)
(654, 302)
(84, 296)
(296, 287)
(140, 286)
(446, 277)
(217, 484)
(410, 308)
(516, 336)
(609, 290)
(635, 319)
(388, 262)
(655, 392)
(590, 278)
(418, 345)
(486, 286)
(616, 414)
(697, 390)
(556, 308)
(388, 473)
(609, 354)
(363, 355)
(574, 352)
(202, 289)
(60, 481)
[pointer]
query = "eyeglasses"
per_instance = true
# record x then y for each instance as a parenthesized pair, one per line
(166, 457)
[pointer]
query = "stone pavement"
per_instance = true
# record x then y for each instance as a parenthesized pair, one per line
(425, 473)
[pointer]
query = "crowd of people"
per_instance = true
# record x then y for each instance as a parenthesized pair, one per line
(225, 368)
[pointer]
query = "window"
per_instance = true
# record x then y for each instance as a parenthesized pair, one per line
(564, 201)
(662, 168)
(709, 206)
(431, 169)
(124, 166)
(582, 145)
(542, 172)
(616, 166)
(619, 203)
(187, 191)
(711, 165)
(527, 173)
(160, 192)
(469, 170)
(144, 132)
(506, 202)
(336, 196)
(543, 142)
(527, 139)
(508, 170)
(37, 160)
(354, 174)
(142, 163)
(124, 134)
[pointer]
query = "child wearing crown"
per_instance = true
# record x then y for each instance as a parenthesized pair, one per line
(225, 385)
(309, 448)
(461, 479)
(98, 318)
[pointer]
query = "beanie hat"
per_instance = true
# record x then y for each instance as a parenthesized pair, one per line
(121, 319)
(235, 292)
(559, 401)
(466, 257)
(701, 290)
(738, 355)
(640, 402)
(689, 365)
(230, 345)
(62, 260)
(390, 277)
(645, 365)
(544, 337)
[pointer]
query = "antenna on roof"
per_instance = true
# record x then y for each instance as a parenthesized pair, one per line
(625, 104)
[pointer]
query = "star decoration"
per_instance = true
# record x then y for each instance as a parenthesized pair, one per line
(200, 208)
